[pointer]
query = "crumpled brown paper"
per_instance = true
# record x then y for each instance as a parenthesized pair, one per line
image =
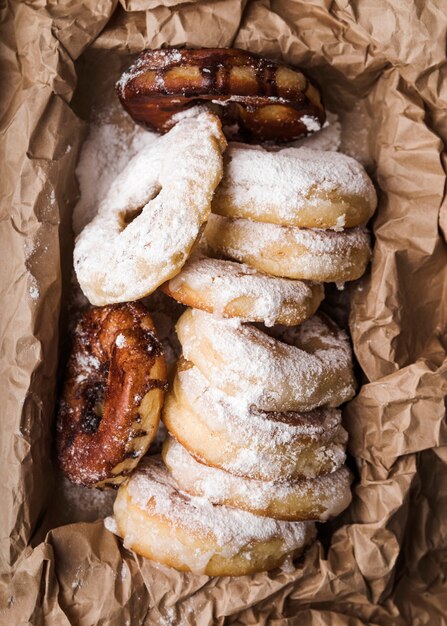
(384, 561)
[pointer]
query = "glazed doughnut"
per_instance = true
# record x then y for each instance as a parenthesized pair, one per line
(318, 499)
(294, 187)
(152, 215)
(271, 374)
(267, 100)
(222, 431)
(113, 393)
(162, 523)
(233, 289)
(298, 253)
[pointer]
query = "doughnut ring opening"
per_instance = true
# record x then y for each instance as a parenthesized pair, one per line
(294, 187)
(160, 522)
(266, 100)
(152, 215)
(221, 431)
(317, 499)
(291, 252)
(113, 394)
(236, 290)
(304, 367)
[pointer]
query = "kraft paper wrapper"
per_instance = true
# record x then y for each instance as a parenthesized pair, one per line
(384, 561)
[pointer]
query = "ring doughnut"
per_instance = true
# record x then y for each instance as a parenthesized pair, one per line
(294, 187)
(318, 499)
(316, 255)
(152, 215)
(314, 369)
(162, 523)
(110, 408)
(235, 290)
(221, 431)
(267, 100)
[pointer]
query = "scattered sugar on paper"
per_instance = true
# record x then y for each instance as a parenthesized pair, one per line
(104, 155)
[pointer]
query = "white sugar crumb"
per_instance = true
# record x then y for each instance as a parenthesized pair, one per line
(34, 290)
(120, 340)
(110, 525)
(328, 138)
(105, 153)
(311, 123)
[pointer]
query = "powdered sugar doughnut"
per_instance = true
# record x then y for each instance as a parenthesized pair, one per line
(149, 221)
(159, 521)
(317, 255)
(235, 290)
(227, 432)
(113, 393)
(294, 187)
(318, 499)
(273, 375)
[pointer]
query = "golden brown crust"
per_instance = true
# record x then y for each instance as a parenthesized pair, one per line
(113, 394)
(269, 101)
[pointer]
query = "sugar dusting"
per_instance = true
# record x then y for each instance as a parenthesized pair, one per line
(105, 153)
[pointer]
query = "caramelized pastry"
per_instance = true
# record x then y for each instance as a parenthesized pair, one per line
(267, 100)
(113, 394)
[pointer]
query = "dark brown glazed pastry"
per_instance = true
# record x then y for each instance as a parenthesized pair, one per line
(267, 101)
(113, 393)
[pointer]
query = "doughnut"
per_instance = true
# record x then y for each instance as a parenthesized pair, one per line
(160, 522)
(233, 289)
(318, 499)
(112, 397)
(266, 100)
(294, 187)
(222, 431)
(291, 252)
(307, 367)
(152, 214)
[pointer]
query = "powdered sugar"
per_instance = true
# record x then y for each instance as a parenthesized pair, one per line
(311, 123)
(120, 341)
(105, 153)
(328, 138)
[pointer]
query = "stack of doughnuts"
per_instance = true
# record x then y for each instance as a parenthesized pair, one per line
(245, 236)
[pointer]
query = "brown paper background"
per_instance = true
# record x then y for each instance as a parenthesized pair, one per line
(386, 560)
